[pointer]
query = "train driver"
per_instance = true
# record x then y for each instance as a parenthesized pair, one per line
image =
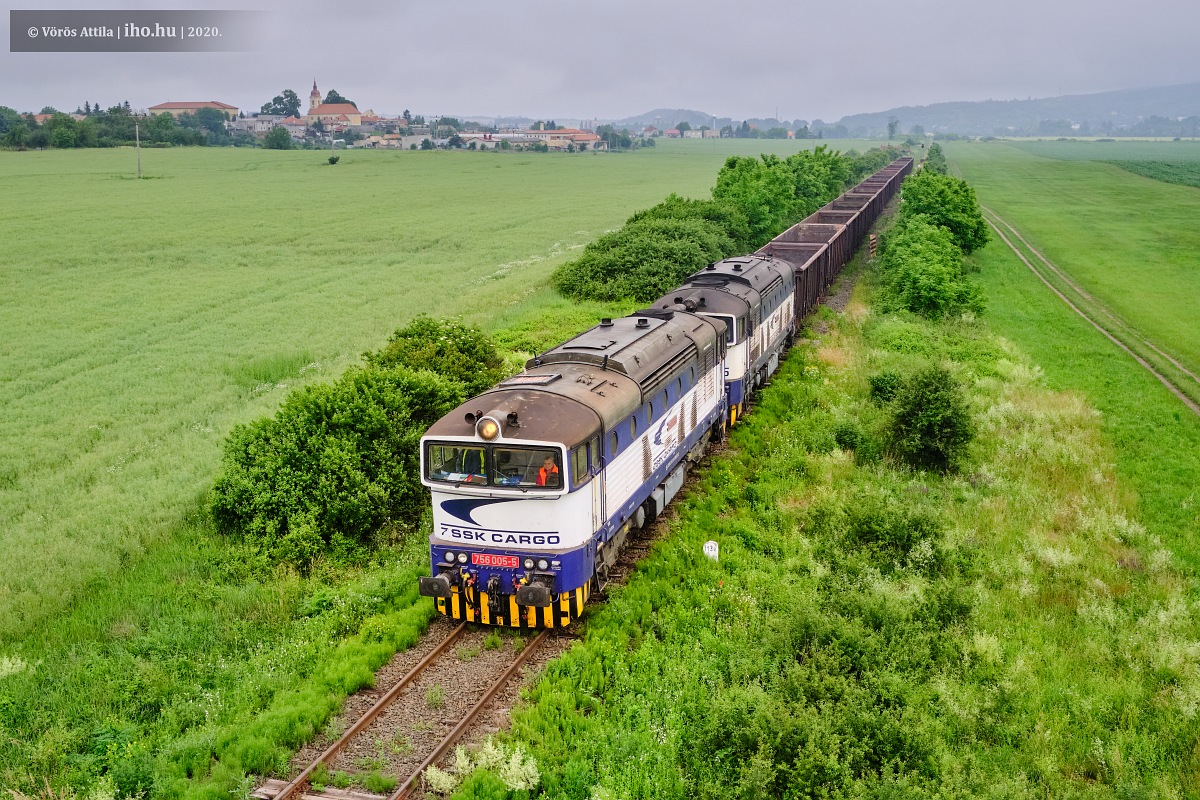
(548, 474)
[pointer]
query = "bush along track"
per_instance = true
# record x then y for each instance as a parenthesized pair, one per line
(999, 626)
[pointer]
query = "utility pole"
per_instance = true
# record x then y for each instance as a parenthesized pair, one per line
(137, 137)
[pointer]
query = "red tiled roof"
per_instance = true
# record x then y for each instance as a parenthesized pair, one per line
(335, 108)
(203, 104)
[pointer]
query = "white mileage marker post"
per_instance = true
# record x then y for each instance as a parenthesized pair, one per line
(711, 549)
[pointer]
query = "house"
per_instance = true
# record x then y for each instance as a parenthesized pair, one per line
(177, 109)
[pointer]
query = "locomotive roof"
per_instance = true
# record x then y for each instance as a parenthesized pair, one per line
(590, 382)
(639, 346)
(566, 403)
(748, 277)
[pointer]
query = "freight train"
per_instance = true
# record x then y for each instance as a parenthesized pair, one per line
(537, 483)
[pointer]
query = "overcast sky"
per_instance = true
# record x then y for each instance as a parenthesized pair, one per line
(617, 58)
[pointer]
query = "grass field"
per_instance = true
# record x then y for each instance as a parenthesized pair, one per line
(1132, 242)
(1169, 162)
(1128, 240)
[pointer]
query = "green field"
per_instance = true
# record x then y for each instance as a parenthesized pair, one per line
(1170, 162)
(1132, 243)
(1129, 241)
(141, 319)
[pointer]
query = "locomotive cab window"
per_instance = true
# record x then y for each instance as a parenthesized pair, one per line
(456, 464)
(519, 467)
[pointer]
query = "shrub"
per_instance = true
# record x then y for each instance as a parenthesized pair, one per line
(643, 260)
(335, 463)
(931, 425)
(947, 202)
(922, 270)
(726, 216)
(883, 387)
(451, 349)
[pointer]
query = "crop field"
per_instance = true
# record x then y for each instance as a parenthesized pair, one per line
(1169, 162)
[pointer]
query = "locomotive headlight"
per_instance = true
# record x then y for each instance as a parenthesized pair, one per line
(528, 563)
(488, 429)
(543, 563)
(462, 558)
(449, 557)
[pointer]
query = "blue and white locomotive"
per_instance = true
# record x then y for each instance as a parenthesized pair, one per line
(537, 482)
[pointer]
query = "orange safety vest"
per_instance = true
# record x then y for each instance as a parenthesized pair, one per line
(541, 479)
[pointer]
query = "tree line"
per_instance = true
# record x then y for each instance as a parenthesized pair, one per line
(113, 127)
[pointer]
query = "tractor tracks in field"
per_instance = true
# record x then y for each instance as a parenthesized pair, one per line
(1179, 380)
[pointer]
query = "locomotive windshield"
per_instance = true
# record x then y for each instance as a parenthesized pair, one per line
(494, 465)
(730, 330)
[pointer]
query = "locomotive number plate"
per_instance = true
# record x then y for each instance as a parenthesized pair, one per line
(489, 560)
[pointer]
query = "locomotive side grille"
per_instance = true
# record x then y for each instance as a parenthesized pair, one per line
(645, 457)
(668, 371)
(695, 415)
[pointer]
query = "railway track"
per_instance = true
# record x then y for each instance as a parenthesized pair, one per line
(418, 721)
(1178, 379)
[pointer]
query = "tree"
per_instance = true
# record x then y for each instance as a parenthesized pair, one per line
(10, 119)
(683, 126)
(286, 104)
(278, 138)
(893, 126)
(334, 97)
(922, 270)
(948, 202)
(213, 121)
(49, 110)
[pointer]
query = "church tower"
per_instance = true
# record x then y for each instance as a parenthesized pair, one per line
(314, 97)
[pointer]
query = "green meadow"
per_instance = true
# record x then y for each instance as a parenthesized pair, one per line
(1129, 240)
(1132, 243)
(142, 319)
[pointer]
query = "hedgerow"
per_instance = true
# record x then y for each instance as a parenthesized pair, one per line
(935, 161)
(753, 200)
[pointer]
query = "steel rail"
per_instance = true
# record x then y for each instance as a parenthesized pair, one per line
(453, 736)
(301, 781)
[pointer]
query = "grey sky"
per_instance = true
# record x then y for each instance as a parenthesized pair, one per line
(617, 58)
